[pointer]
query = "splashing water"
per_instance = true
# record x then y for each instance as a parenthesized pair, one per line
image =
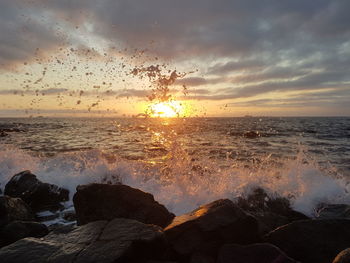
(190, 185)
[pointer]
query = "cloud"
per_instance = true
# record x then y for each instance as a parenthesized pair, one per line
(199, 81)
(224, 68)
(333, 98)
(24, 38)
(50, 91)
(126, 93)
(244, 48)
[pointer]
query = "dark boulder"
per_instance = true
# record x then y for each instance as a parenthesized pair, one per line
(343, 257)
(12, 209)
(104, 202)
(255, 253)
(206, 229)
(199, 257)
(334, 211)
(17, 230)
(271, 212)
(38, 195)
(120, 240)
(312, 241)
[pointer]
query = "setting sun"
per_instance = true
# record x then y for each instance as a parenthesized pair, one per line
(169, 109)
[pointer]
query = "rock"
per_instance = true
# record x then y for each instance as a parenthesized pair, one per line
(202, 258)
(69, 216)
(312, 241)
(255, 253)
(120, 240)
(12, 209)
(343, 257)
(104, 202)
(270, 212)
(38, 195)
(334, 211)
(20, 229)
(207, 228)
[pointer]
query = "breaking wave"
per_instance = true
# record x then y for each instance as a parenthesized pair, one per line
(180, 184)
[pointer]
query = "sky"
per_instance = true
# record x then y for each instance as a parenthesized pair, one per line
(241, 57)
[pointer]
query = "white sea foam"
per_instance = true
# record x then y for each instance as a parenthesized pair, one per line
(178, 186)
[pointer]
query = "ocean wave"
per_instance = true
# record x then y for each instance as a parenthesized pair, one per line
(182, 184)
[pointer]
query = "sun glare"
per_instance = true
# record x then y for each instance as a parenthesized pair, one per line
(169, 109)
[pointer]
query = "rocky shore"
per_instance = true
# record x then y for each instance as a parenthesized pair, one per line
(118, 223)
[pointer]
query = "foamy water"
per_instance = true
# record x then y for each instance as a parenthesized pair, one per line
(183, 180)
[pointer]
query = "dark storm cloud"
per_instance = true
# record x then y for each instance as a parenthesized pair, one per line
(248, 47)
(224, 28)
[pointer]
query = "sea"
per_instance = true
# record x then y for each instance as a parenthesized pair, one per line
(187, 162)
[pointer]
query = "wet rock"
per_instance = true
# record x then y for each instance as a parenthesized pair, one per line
(38, 195)
(207, 228)
(270, 212)
(12, 209)
(61, 229)
(17, 230)
(312, 241)
(334, 211)
(255, 253)
(343, 257)
(69, 216)
(120, 240)
(104, 202)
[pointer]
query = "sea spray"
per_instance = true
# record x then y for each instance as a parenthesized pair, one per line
(181, 183)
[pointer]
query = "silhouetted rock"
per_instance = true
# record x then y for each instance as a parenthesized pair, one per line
(12, 209)
(255, 253)
(207, 228)
(270, 212)
(343, 257)
(199, 257)
(38, 195)
(104, 202)
(312, 241)
(120, 240)
(334, 211)
(17, 230)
